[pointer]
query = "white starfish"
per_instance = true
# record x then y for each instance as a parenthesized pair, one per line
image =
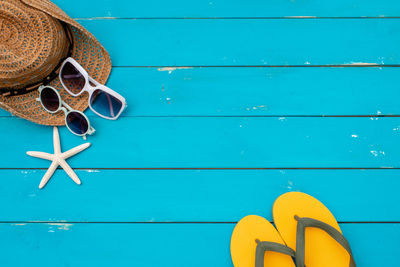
(58, 158)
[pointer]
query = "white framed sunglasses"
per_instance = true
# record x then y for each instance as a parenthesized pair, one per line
(103, 101)
(76, 122)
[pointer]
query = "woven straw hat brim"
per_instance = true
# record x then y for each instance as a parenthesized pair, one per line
(87, 51)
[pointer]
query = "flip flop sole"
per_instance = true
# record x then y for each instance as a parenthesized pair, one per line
(243, 243)
(320, 248)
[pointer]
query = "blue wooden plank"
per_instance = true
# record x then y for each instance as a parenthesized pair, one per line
(160, 244)
(194, 196)
(257, 91)
(233, 42)
(207, 142)
(228, 8)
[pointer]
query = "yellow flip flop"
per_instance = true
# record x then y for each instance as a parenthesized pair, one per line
(309, 228)
(256, 243)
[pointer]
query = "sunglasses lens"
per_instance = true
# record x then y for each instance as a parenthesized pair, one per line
(50, 99)
(105, 104)
(72, 78)
(77, 123)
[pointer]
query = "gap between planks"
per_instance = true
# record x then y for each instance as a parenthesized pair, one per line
(205, 168)
(347, 65)
(256, 116)
(169, 222)
(237, 18)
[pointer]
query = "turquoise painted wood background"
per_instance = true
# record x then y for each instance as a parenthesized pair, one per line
(231, 103)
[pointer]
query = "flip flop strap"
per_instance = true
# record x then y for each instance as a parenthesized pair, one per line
(303, 223)
(264, 246)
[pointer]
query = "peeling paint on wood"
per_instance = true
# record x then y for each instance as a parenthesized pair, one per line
(171, 69)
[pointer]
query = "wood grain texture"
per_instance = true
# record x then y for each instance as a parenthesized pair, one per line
(227, 8)
(248, 42)
(178, 245)
(206, 142)
(194, 195)
(256, 91)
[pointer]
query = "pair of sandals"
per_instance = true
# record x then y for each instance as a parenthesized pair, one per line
(306, 233)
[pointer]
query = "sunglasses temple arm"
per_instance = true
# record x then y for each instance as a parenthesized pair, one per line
(91, 131)
(67, 106)
(93, 81)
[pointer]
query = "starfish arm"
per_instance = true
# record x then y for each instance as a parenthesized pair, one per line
(56, 141)
(48, 174)
(74, 150)
(69, 171)
(42, 155)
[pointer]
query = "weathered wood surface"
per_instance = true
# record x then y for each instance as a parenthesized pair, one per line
(249, 42)
(215, 142)
(143, 245)
(193, 195)
(229, 8)
(261, 91)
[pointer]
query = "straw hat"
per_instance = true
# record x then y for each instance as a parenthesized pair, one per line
(35, 37)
